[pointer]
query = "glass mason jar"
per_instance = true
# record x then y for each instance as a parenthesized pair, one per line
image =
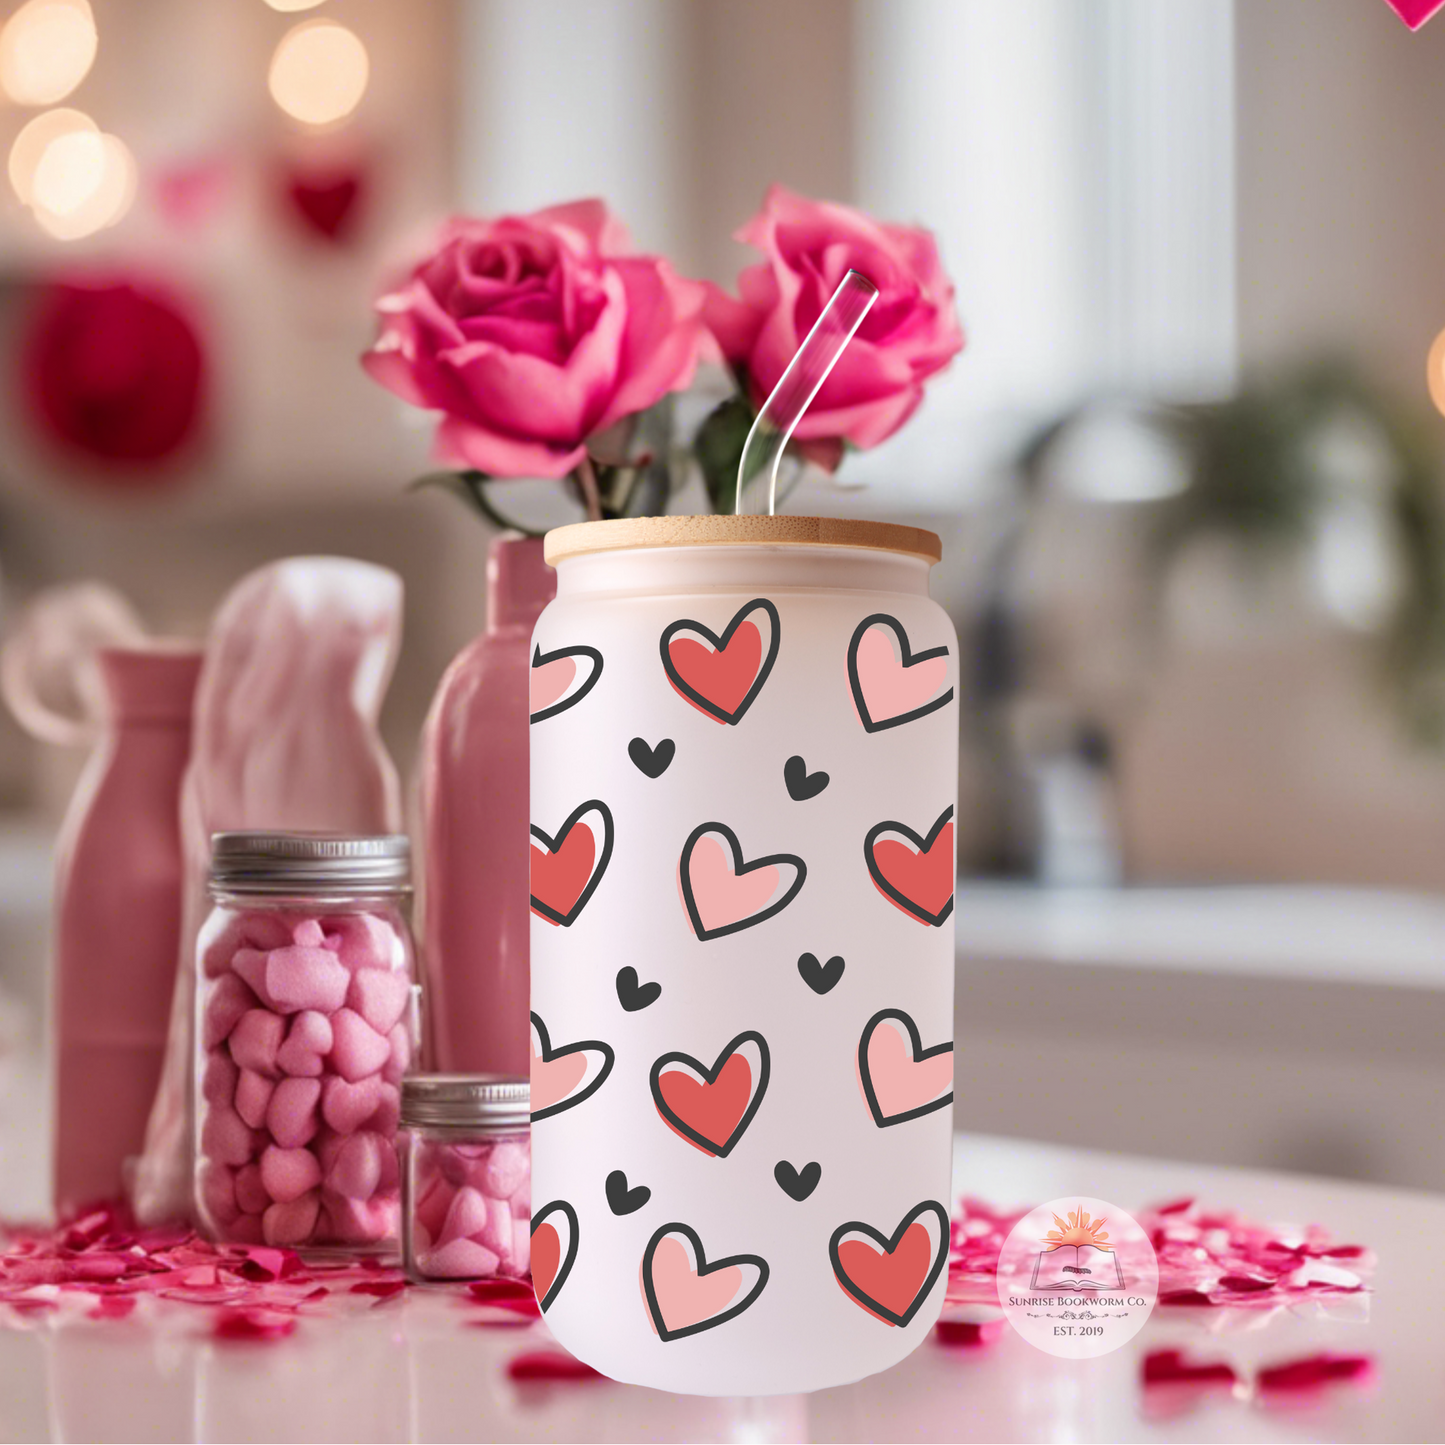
(306, 1023)
(742, 949)
(466, 1172)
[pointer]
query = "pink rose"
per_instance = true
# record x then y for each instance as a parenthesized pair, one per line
(531, 333)
(911, 332)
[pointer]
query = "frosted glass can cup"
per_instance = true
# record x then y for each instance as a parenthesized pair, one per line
(744, 754)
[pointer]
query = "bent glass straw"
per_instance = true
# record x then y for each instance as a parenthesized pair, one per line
(799, 384)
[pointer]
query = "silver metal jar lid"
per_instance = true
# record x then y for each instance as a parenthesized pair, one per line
(489, 1102)
(307, 863)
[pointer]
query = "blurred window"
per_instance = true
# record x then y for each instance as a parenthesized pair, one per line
(1076, 158)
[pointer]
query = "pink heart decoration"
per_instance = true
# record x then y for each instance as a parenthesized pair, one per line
(553, 1079)
(684, 1297)
(890, 689)
(902, 1083)
(1414, 12)
(722, 896)
(550, 681)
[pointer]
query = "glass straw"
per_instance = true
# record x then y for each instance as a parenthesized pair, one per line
(799, 384)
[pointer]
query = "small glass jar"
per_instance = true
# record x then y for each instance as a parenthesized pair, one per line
(466, 1170)
(306, 1023)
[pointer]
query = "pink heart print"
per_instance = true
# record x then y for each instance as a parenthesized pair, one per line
(684, 1297)
(550, 681)
(1414, 12)
(889, 688)
(553, 1079)
(902, 1083)
(722, 896)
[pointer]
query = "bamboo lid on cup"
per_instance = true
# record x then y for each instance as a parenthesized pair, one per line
(580, 538)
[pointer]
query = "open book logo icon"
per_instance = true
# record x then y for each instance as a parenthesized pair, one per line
(1077, 1256)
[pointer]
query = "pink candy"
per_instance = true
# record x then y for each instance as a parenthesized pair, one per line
(307, 1031)
(471, 1210)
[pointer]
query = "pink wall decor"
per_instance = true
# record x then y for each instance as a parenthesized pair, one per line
(115, 373)
(474, 819)
(742, 950)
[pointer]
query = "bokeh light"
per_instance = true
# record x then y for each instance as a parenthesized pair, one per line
(34, 140)
(1435, 371)
(319, 72)
(46, 49)
(287, 7)
(112, 190)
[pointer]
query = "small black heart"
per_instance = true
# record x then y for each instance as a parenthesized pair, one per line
(820, 977)
(791, 1182)
(633, 995)
(622, 1200)
(652, 761)
(802, 784)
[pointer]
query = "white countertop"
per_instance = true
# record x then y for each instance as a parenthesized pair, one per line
(1312, 934)
(416, 1371)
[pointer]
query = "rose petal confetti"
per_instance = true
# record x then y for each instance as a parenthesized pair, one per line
(550, 1365)
(1314, 1373)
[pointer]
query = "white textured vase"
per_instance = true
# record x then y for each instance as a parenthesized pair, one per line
(744, 765)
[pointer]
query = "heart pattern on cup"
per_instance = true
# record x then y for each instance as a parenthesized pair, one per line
(890, 1276)
(721, 893)
(563, 1077)
(684, 1294)
(567, 868)
(622, 1200)
(649, 761)
(561, 679)
(891, 684)
(554, 1249)
(796, 1183)
(900, 1079)
(914, 873)
(712, 1107)
(722, 675)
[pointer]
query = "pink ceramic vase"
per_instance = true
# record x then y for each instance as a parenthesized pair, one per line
(475, 925)
(118, 919)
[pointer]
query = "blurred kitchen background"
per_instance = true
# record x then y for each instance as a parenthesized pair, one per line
(1188, 471)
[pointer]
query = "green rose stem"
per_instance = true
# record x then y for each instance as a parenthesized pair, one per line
(587, 478)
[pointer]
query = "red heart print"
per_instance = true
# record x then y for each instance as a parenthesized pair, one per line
(721, 675)
(891, 1277)
(327, 204)
(711, 1108)
(567, 868)
(554, 1249)
(915, 874)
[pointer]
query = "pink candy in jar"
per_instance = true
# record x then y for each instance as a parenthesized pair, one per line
(466, 1176)
(306, 1026)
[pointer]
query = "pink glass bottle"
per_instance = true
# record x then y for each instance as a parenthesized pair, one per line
(118, 919)
(475, 907)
